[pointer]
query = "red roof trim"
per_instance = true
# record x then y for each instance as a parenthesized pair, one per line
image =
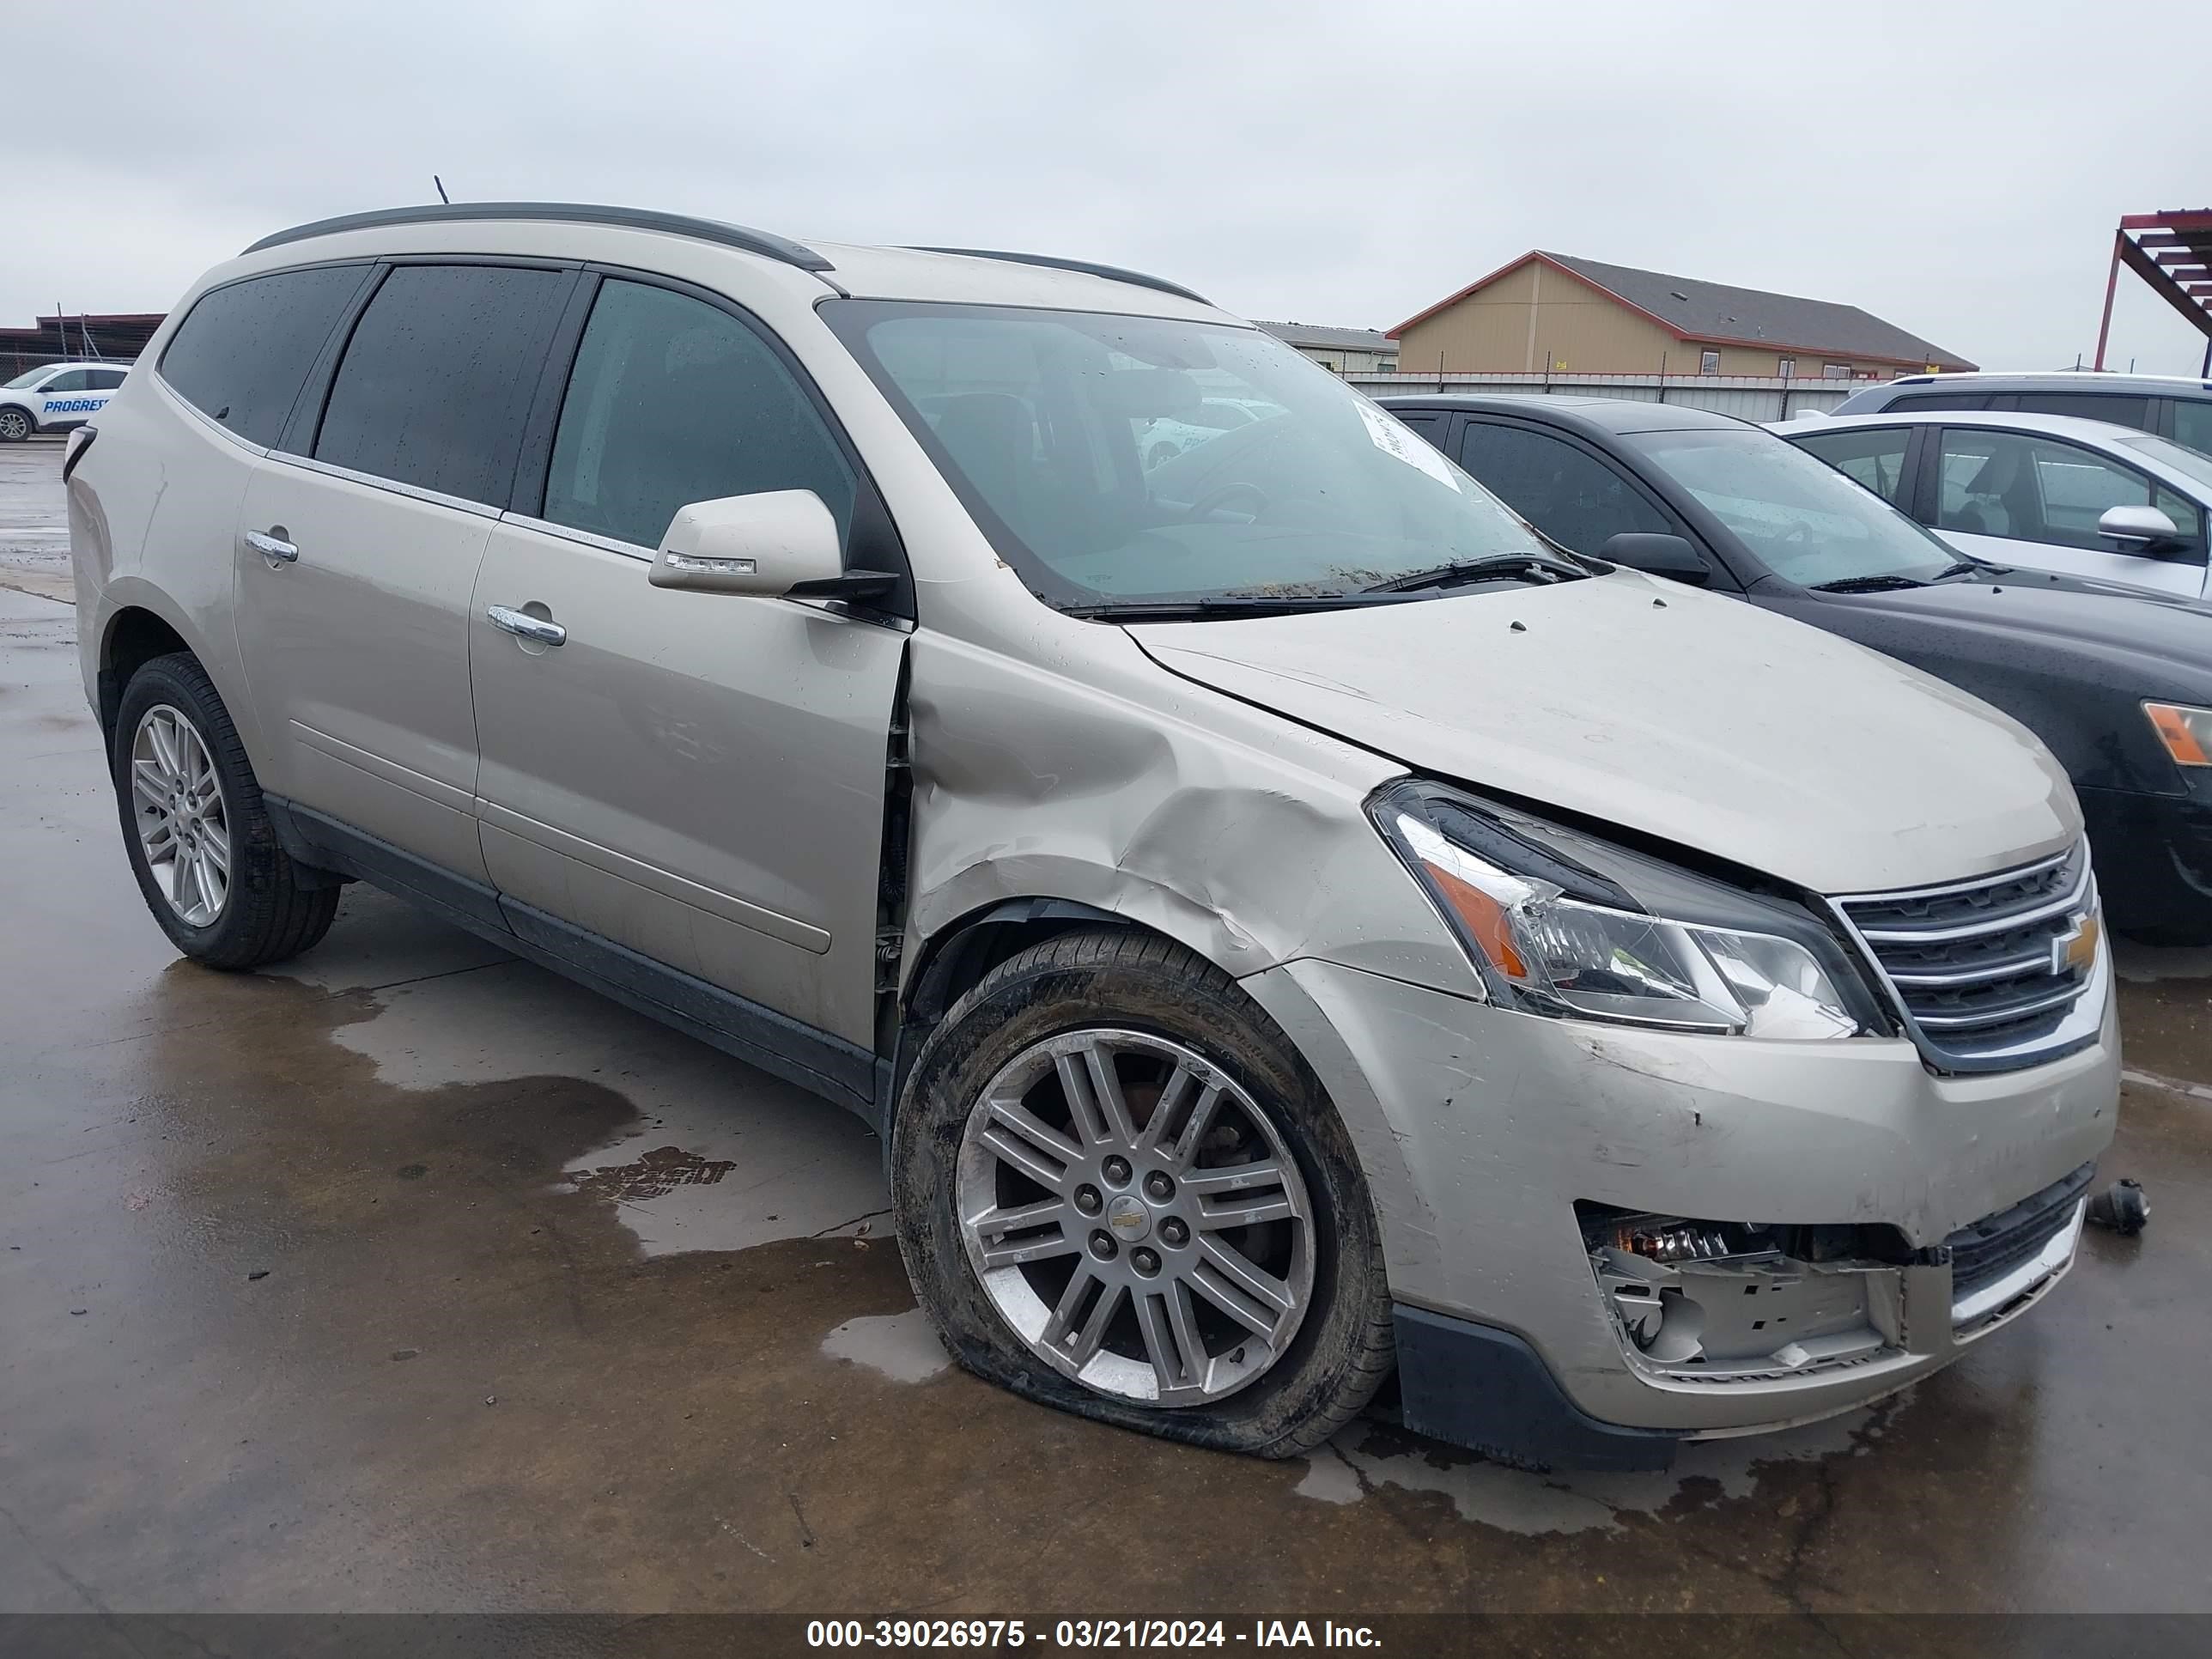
(1450, 301)
(1780, 347)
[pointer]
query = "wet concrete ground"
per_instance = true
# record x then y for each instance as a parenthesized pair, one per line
(34, 519)
(412, 1278)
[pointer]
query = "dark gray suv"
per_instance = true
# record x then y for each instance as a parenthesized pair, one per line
(2177, 409)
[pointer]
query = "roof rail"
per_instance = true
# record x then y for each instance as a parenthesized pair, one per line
(1112, 273)
(675, 224)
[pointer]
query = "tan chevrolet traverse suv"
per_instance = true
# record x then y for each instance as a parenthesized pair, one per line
(1286, 920)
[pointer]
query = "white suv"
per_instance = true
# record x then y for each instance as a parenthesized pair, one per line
(56, 398)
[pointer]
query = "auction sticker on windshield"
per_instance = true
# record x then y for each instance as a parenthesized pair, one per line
(1392, 437)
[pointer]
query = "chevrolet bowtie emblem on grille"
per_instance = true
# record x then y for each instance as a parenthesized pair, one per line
(2075, 949)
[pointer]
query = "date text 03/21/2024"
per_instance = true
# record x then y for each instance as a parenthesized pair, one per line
(1085, 1633)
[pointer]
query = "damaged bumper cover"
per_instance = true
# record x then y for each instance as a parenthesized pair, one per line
(1875, 1217)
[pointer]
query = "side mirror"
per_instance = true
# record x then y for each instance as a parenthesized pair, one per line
(779, 543)
(2147, 527)
(1658, 556)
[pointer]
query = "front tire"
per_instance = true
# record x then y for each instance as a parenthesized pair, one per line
(197, 831)
(1120, 1191)
(15, 424)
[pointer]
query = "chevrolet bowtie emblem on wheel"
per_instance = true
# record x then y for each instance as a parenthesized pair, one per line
(2075, 949)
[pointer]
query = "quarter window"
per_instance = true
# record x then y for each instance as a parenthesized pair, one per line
(1941, 400)
(1570, 496)
(437, 378)
(2039, 490)
(1875, 459)
(2088, 406)
(103, 379)
(2192, 424)
(242, 355)
(674, 401)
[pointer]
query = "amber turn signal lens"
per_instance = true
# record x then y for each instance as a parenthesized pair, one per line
(1485, 919)
(2186, 732)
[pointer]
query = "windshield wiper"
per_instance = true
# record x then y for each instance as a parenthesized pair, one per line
(1884, 583)
(1214, 606)
(1528, 567)
(1968, 566)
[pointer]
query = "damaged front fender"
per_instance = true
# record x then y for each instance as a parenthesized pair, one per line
(1113, 785)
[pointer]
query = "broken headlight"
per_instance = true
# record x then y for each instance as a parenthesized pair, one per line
(1561, 924)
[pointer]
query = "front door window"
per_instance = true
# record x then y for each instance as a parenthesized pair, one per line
(2041, 490)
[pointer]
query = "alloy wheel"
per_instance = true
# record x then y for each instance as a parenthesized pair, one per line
(1135, 1217)
(177, 806)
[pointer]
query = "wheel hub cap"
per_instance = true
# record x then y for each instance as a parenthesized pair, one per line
(1135, 1217)
(1126, 1217)
(177, 810)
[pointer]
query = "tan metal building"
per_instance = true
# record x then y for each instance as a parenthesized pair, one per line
(1551, 313)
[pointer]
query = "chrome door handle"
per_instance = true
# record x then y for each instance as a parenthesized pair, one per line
(272, 547)
(525, 626)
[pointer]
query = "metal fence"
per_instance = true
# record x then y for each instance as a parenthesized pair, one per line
(1748, 399)
(13, 362)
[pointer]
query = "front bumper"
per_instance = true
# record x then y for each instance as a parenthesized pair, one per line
(1480, 1129)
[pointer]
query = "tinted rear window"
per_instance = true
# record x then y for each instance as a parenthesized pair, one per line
(1939, 400)
(437, 377)
(243, 354)
(2119, 409)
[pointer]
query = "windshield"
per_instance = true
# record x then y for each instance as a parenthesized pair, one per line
(1142, 460)
(1810, 524)
(2187, 462)
(27, 377)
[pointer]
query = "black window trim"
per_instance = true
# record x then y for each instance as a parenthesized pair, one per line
(297, 441)
(872, 542)
(305, 425)
(1728, 578)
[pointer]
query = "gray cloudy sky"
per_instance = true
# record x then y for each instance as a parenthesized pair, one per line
(1955, 165)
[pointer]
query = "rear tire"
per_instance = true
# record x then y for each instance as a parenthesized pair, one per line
(197, 831)
(1170, 1025)
(15, 424)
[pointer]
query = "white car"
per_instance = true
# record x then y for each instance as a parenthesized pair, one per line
(56, 398)
(2051, 492)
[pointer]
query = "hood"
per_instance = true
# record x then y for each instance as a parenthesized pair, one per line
(1699, 719)
(2164, 638)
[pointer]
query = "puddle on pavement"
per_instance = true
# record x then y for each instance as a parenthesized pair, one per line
(1370, 1455)
(901, 1346)
(737, 1159)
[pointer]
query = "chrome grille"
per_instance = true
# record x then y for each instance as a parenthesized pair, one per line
(1991, 973)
